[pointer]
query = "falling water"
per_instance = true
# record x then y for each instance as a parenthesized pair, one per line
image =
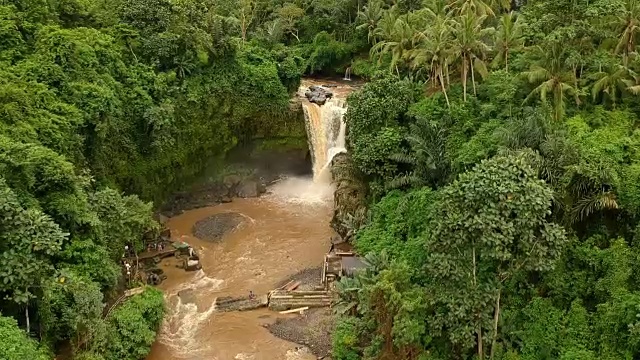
(326, 129)
(347, 74)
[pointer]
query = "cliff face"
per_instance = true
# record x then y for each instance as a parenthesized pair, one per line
(349, 198)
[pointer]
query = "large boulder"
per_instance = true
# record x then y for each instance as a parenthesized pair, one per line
(187, 296)
(250, 188)
(231, 180)
(214, 227)
(318, 94)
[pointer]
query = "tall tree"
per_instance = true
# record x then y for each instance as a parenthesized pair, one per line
(551, 75)
(613, 82)
(369, 17)
(470, 48)
(493, 226)
(628, 24)
(396, 36)
(246, 13)
(28, 241)
(433, 50)
(508, 37)
(477, 7)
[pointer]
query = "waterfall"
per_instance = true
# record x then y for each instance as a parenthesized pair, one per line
(347, 74)
(326, 131)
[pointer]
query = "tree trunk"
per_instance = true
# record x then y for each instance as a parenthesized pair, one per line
(446, 67)
(464, 81)
(132, 53)
(244, 31)
(444, 91)
(473, 78)
(479, 325)
(480, 348)
(26, 315)
(506, 60)
(496, 318)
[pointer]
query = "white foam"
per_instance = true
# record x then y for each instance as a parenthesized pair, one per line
(184, 320)
(304, 191)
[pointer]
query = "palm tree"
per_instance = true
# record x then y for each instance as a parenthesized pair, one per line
(433, 52)
(348, 290)
(549, 72)
(427, 156)
(433, 45)
(613, 82)
(396, 34)
(370, 16)
(629, 24)
(469, 46)
(477, 7)
(508, 38)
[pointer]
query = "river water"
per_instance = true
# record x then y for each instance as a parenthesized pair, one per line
(283, 232)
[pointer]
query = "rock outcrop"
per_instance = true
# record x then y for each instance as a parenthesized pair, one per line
(318, 94)
(349, 199)
(212, 228)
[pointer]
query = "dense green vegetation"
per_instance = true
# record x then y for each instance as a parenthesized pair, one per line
(499, 142)
(103, 104)
(501, 152)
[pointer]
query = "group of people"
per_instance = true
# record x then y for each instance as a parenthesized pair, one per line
(156, 246)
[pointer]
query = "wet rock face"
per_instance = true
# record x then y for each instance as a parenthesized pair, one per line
(243, 188)
(212, 228)
(349, 198)
(318, 94)
(250, 189)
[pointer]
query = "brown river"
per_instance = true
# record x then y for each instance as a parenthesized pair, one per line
(283, 232)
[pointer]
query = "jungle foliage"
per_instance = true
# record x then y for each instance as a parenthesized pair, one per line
(499, 144)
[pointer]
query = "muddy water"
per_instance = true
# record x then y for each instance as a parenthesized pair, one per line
(283, 232)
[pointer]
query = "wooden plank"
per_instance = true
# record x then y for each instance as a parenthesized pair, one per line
(301, 309)
(346, 253)
(300, 292)
(136, 291)
(293, 286)
(285, 285)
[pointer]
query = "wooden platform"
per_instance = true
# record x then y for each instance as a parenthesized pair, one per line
(228, 303)
(151, 254)
(280, 300)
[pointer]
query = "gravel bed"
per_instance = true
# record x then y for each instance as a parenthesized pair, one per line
(313, 329)
(309, 278)
(212, 228)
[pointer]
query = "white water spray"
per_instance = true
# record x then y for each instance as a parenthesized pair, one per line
(184, 320)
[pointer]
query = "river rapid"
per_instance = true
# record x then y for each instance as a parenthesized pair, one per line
(283, 232)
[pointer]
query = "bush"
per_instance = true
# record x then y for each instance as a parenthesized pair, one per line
(345, 339)
(327, 54)
(16, 345)
(131, 329)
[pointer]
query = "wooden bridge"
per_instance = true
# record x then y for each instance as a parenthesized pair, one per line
(127, 294)
(277, 300)
(280, 300)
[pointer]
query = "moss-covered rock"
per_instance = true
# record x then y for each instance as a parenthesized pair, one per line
(349, 198)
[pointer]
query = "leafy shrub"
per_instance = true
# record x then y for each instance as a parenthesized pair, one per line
(131, 328)
(345, 339)
(16, 345)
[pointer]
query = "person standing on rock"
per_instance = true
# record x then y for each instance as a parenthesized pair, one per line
(251, 295)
